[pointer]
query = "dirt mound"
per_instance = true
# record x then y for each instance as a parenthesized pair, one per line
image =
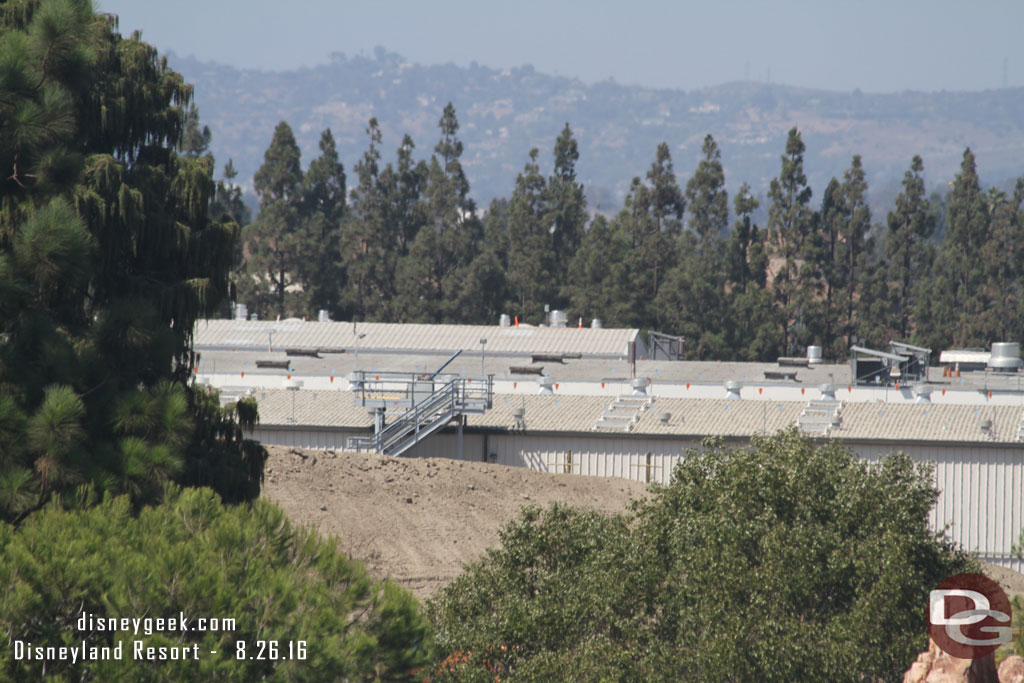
(418, 521)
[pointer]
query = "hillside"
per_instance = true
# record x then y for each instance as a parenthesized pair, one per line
(505, 113)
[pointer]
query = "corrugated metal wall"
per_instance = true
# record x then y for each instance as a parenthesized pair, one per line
(981, 489)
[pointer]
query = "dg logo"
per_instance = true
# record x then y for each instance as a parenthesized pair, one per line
(969, 616)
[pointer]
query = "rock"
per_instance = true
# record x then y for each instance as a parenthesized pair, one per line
(408, 500)
(935, 666)
(1011, 670)
(323, 508)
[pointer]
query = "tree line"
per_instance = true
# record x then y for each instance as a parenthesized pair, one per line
(407, 244)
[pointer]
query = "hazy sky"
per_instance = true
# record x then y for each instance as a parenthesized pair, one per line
(874, 45)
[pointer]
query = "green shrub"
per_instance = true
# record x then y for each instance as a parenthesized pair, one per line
(781, 561)
(195, 556)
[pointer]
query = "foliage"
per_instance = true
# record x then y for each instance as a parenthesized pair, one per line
(191, 555)
(790, 222)
(779, 561)
(821, 275)
(107, 259)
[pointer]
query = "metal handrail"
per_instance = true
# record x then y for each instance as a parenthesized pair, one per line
(457, 395)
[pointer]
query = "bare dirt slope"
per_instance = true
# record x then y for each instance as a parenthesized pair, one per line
(417, 521)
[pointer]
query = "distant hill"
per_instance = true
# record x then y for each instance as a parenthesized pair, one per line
(505, 113)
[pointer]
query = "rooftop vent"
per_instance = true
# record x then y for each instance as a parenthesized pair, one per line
(639, 386)
(504, 320)
(323, 316)
(241, 312)
(546, 385)
(1005, 356)
(814, 355)
(732, 390)
(596, 324)
(828, 392)
(558, 319)
(923, 393)
(664, 418)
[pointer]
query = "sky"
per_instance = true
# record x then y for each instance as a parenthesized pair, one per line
(873, 45)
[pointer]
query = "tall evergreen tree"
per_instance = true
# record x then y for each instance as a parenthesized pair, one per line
(652, 218)
(277, 241)
(567, 207)
(692, 300)
(431, 276)
(908, 249)
(531, 258)
(790, 221)
(857, 248)
(366, 237)
(954, 313)
(600, 282)
(1003, 257)
(838, 253)
(707, 201)
(195, 140)
(753, 332)
(103, 273)
(323, 209)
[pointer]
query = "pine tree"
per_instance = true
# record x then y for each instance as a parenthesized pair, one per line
(706, 198)
(195, 141)
(857, 248)
(567, 208)
(107, 259)
(692, 299)
(434, 271)
(531, 259)
(652, 218)
(365, 236)
(790, 222)
(753, 332)
(1003, 257)
(908, 249)
(278, 240)
(954, 312)
(600, 283)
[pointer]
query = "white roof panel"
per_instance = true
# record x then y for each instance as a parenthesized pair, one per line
(413, 337)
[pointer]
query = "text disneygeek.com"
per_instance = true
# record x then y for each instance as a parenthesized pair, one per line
(89, 625)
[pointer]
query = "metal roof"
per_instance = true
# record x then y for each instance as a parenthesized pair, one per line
(283, 334)
(929, 422)
(311, 408)
(690, 418)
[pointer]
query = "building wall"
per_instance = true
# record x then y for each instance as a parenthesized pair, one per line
(981, 488)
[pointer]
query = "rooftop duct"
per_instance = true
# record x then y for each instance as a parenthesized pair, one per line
(1005, 356)
(732, 390)
(814, 355)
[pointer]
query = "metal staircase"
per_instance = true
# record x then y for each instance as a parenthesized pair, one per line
(429, 404)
